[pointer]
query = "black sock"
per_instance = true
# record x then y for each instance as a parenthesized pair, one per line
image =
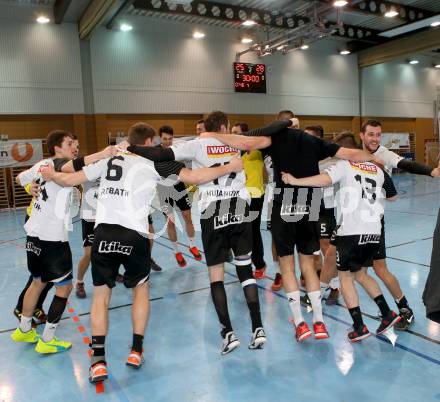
(98, 349)
(56, 309)
(43, 295)
(218, 295)
(138, 341)
(19, 305)
(402, 303)
(250, 291)
(382, 304)
(356, 315)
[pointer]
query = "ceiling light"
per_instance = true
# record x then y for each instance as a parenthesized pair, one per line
(304, 47)
(391, 13)
(248, 23)
(435, 24)
(247, 40)
(198, 35)
(413, 62)
(340, 3)
(126, 27)
(344, 52)
(43, 19)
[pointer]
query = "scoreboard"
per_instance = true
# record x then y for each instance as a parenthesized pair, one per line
(250, 78)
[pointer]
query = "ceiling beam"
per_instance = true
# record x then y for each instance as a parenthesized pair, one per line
(398, 48)
(59, 10)
(93, 16)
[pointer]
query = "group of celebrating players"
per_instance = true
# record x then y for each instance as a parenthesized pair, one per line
(344, 223)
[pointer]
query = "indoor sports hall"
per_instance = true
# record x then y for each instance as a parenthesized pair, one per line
(132, 132)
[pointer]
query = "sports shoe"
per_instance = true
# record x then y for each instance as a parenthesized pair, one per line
(135, 359)
(230, 256)
(302, 332)
(98, 372)
(258, 339)
(277, 283)
(27, 337)
(154, 266)
(332, 298)
(305, 300)
(80, 291)
(407, 318)
(259, 273)
(120, 278)
(53, 346)
(180, 260)
(358, 334)
(39, 316)
(320, 330)
(387, 322)
(230, 342)
(196, 253)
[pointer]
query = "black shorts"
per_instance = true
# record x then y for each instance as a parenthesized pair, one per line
(115, 245)
(175, 196)
(88, 232)
(49, 260)
(356, 252)
(226, 225)
(303, 234)
(382, 252)
(327, 222)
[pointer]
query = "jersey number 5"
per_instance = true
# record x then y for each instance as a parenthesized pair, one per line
(114, 172)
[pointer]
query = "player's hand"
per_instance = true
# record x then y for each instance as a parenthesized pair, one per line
(235, 164)
(47, 172)
(34, 189)
(109, 151)
(122, 146)
(288, 178)
(436, 172)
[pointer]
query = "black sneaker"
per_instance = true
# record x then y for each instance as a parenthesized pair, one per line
(332, 298)
(358, 334)
(258, 339)
(406, 319)
(305, 300)
(154, 266)
(80, 290)
(230, 343)
(387, 322)
(39, 316)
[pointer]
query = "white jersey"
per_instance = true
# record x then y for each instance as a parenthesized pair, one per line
(127, 187)
(89, 200)
(390, 158)
(329, 192)
(209, 152)
(359, 201)
(50, 218)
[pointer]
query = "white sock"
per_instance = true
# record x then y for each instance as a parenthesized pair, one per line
(49, 332)
(315, 301)
(78, 281)
(175, 246)
(334, 283)
(191, 242)
(325, 290)
(295, 306)
(25, 323)
(277, 267)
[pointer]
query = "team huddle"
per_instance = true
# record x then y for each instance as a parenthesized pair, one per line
(344, 223)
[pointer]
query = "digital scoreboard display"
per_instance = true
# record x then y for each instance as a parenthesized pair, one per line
(250, 78)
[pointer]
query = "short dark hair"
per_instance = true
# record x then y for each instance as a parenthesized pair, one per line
(243, 127)
(318, 130)
(372, 123)
(200, 122)
(215, 120)
(346, 139)
(166, 129)
(74, 136)
(55, 139)
(285, 114)
(139, 132)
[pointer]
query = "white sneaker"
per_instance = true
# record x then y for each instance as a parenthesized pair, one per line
(258, 339)
(230, 342)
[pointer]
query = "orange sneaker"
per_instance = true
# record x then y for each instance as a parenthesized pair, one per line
(302, 332)
(320, 330)
(98, 372)
(134, 359)
(180, 260)
(259, 273)
(196, 253)
(277, 283)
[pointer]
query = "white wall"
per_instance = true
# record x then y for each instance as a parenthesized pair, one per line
(399, 89)
(160, 68)
(40, 69)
